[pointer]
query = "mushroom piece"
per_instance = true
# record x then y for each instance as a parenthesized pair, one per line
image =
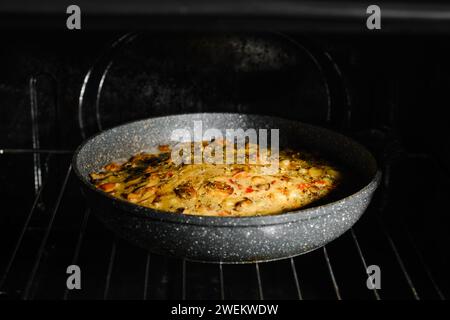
(242, 204)
(263, 186)
(258, 180)
(219, 186)
(185, 191)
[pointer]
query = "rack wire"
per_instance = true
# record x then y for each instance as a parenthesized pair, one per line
(35, 287)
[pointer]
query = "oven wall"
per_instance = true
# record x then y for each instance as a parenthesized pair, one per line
(397, 81)
(398, 85)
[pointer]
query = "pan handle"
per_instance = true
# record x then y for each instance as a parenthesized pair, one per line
(384, 143)
(387, 147)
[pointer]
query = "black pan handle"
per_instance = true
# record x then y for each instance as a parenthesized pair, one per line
(387, 147)
(384, 143)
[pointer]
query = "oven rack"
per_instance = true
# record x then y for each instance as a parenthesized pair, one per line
(59, 230)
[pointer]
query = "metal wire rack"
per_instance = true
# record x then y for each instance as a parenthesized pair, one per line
(114, 269)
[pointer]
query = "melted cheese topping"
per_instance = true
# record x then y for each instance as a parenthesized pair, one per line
(153, 180)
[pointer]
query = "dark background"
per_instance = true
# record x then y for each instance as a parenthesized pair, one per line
(396, 83)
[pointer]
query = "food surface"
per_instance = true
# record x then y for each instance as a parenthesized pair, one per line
(155, 180)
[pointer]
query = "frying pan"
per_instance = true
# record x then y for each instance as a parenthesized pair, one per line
(227, 239)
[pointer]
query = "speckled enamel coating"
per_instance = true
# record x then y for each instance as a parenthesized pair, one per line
(226, 239)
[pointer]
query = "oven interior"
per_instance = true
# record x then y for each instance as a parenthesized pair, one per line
(388, 92)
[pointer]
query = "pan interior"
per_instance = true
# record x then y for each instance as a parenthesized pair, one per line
(126, 140)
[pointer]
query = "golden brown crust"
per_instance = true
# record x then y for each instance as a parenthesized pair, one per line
(154, 181)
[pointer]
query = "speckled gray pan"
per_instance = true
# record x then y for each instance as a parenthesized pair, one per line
(226, 239)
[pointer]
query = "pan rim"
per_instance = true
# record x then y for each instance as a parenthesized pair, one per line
(265, 220)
